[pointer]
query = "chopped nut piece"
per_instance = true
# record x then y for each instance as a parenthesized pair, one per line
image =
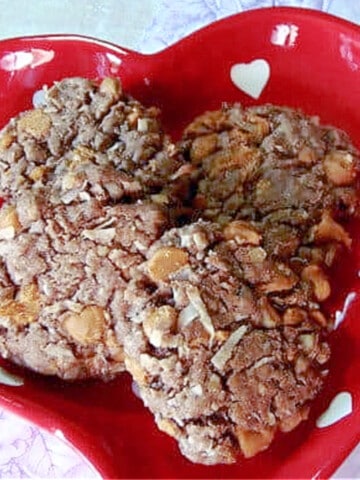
(257, 254)
(242, 233)
(132, 118)
(315, 275)
(81, 154)
(6, 139)
(86, 327)
(252, 443)
(36, 123)
(225, 352)
(166, 261)
(294, 316)
(111, 86)
(260, 127)
(115, 348)
(289, 423)
(202, 147)
(159, 324)
(307, 341)
(301, 365)
(25, 308)
(169, 427)
(136, 370)
(241, 157)
(38, 173)
(307, 156)
(269, 316)
(9, 222)
(339, 168)
(329, 230)
(208, 122)
(279, 282)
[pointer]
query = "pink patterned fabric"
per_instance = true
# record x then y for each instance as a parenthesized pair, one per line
(28, 452)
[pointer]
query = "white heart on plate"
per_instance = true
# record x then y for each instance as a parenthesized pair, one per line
(7, 378)
(251, 77)
(340, 407)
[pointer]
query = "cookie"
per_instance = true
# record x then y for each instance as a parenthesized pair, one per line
(88, 138)
(220, 365)
(62, 268)
(294, 179)
(88, 178)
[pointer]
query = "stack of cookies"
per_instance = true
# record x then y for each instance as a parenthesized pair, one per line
(200, 267)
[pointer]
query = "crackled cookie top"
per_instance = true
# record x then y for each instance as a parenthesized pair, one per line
(61, 268)
(87, 139)
(219, 363)
(86, 177)
(293, 178)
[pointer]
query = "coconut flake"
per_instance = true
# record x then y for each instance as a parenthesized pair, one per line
(195, 298)
(187, 315)
(261, 362)
(225, 352)
(102, 235)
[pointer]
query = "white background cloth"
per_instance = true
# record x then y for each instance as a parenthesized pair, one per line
(146, 26)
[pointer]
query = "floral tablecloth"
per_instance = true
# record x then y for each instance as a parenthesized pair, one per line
(146, 26)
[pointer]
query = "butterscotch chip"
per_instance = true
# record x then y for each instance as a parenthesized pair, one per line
(166, 261)
(252, 443)
(81, 154)
(86, 327)
(288, 424)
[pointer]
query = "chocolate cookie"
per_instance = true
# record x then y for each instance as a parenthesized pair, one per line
(294, 179)
(221, 366)
(87, 178)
